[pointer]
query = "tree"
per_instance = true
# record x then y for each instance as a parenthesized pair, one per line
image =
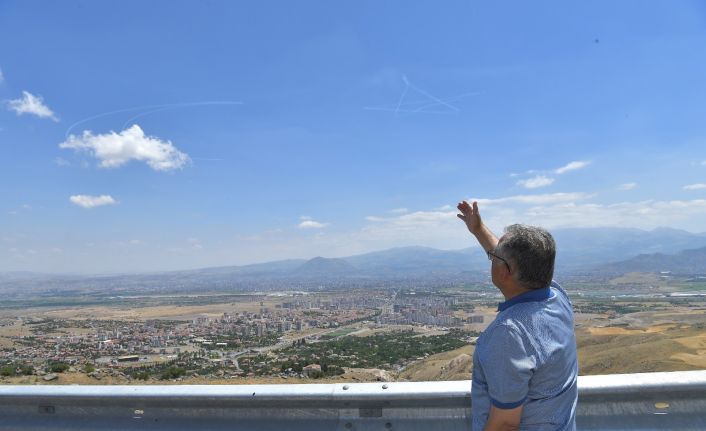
(142, 375)
(58, 367)
(173, 373)
(315, 374)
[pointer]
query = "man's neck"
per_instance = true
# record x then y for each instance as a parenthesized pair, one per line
(512, 290)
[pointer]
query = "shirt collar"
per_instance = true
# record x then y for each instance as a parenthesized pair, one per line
(531, 296)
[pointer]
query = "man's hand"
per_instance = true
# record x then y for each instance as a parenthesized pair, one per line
(503, 420)
(470, 216)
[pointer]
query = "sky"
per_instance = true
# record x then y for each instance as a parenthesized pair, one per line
(141, 136)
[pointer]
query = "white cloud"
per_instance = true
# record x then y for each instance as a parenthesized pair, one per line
(645, 214)
(87, 201)
(535, 182)
(432, 228)
(307, 222)
(31, 104)
(192, 245)
(698, 186)
(443, 229)
(627, 186)
(399, 211)
(572, 166)
(375, 218)
(116, 149)
(413, 219)
(703, 163)
(195, 243)
(61, 162)
(21, 208)
(2, 77)
(544, 199)
(312, 224)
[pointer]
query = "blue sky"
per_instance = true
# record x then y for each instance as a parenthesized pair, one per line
(165, 135)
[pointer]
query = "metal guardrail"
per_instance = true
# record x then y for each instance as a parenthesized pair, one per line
(650, 401)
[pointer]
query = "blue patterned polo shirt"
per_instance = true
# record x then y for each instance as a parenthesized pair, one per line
(527, 356)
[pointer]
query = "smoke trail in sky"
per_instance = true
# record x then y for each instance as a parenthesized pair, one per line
(149, 109)
(420, 106)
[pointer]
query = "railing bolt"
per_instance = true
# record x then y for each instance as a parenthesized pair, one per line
(47, 409)
(345, 387)
(385, 386)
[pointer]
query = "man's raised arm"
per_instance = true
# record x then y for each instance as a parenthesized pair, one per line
(471, 216)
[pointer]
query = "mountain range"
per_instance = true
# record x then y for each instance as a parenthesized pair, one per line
(686, 262)
(597, 251)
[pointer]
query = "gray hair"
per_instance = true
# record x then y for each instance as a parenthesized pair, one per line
(532, 251)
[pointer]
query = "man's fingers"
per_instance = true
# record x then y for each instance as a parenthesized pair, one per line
(461, 217)
(475, 207)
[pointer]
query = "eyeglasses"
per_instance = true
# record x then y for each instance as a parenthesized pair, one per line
(492, 255)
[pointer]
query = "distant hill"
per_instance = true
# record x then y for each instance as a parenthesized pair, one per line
(686, 262)
(277, 266)
(325, 267)
(589, 247)
(594, 251)
(419, 260)
(578, 250)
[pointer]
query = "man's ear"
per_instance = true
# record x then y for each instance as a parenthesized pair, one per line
(505, 273)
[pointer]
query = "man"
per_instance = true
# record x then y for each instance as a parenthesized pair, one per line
(524, 365)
